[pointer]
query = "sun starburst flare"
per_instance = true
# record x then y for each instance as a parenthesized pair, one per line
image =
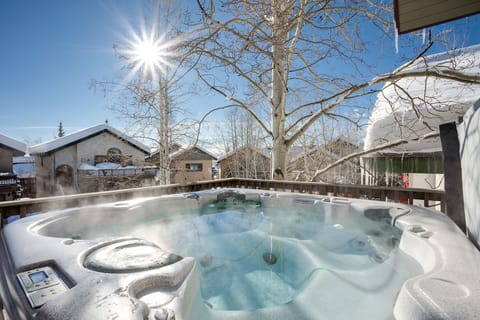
(147, 53)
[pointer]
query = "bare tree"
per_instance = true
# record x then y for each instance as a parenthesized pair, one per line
(304, 58)
(148, 96)
(329, 141)
(244, 147)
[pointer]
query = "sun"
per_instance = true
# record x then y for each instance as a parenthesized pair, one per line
(147, 54)
(150, 48)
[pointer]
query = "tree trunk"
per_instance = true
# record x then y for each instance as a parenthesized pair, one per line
(279, 159)
(278, 94)
(163, 112)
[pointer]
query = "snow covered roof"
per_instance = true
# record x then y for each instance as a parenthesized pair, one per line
(83, 134)
(187, 148)
(13, 144)
(263, 152)
(435, 101)
(174, 146)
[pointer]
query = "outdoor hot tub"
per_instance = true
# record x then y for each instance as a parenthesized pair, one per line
(239, 254)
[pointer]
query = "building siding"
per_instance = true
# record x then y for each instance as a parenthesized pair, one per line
(6, 158)
(179, 173)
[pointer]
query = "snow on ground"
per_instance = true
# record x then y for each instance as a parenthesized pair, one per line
(435, 101)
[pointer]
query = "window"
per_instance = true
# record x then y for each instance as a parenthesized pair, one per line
(113, 151)
(194, 166)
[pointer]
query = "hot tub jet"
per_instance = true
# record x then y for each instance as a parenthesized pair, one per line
(269, 258)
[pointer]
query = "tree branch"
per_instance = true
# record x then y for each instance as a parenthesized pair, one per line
(379, 148)
(472, 78)
(239, 104)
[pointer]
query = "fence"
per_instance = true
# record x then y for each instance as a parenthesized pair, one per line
(23, 207)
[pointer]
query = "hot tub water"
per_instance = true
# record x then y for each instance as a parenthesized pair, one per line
(252, 257)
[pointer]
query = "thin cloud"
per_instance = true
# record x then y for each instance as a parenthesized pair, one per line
(31, 128)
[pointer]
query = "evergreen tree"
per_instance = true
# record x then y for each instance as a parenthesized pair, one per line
(61, 131)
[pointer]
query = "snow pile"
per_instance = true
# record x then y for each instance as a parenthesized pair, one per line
(24, 167)
(110, 166)
(115, 169)
(413, 107)
(24, 170)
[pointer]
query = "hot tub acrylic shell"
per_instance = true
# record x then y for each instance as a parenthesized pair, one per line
(447, 288)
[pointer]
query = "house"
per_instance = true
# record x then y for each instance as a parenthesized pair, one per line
(304, 166)
(191, 164)
(93, 159)
(414, 15)
(245, 162)
(9, 185)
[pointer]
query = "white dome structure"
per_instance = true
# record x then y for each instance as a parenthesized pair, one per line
(411, 109)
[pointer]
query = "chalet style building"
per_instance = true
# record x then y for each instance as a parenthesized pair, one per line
(93, 159)
(191, 164)
(245, 162)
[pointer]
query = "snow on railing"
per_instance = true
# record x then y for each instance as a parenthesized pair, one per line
(137, 171)
(407, 195)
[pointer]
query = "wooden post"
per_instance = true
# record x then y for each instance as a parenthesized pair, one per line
(443, 206)
(426, 202)
(23, 211)
(453, 173)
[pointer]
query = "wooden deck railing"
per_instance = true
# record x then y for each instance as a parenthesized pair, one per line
(24, 206)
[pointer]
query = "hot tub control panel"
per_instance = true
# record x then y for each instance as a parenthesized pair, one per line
(41, 285)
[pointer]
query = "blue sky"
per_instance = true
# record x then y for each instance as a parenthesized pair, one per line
(50, 52)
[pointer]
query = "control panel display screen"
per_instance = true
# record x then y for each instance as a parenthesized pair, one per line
(38, 276)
